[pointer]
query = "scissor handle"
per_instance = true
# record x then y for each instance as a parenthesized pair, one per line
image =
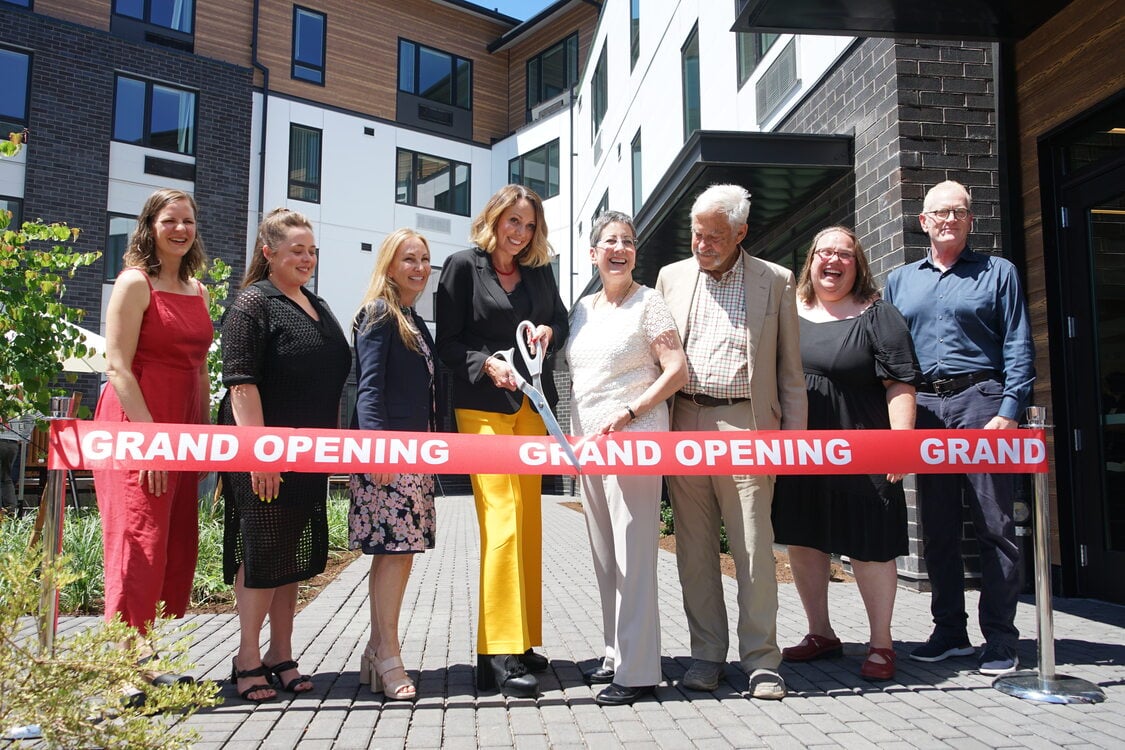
(533, 359)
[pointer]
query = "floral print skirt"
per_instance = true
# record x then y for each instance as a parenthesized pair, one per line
(390, 518)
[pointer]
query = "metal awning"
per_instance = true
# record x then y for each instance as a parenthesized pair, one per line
(782, 171)
(987, 20)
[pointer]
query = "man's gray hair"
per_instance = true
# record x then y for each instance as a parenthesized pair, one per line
(731, 200)
(949, 184)
(605, 218)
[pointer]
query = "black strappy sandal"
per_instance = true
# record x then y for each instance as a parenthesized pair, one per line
(291, 686)
(260, 671)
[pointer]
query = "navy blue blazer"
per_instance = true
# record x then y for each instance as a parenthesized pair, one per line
(394, 390)
(475, 319)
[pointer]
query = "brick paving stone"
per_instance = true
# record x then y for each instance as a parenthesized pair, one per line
(928, 705)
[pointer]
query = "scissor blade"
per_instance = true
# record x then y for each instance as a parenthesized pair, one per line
(552, 424)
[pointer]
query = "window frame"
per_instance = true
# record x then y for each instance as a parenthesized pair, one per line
(412, 192)
(415, 70)
(634, 33)
(29, 4)
(306, 185)
(690, 82)
(749, 50)
(20, 124)
(635, 168)
(117, 263)
(518, 175)
(311, 68)
(599, 93)
(17, 211)
(147, 114)
(147, 17)
(569, 48)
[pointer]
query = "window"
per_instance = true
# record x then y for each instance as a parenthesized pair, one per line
(22, 4)
(538, 170)
(178, 15)
(120, 229)
(636, 153)
(15, 72)
(634, 32)
(304, 163)
(599, 92)
(310, 31)
(432, 182)
(15, 206)
(751, 47)
(435, 75)
(552, 72)
(602, 207)
(154, 115)
(689, 67)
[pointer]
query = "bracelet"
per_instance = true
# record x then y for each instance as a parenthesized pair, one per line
(632, 414)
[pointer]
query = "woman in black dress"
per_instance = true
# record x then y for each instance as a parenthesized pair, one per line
(285, 360)
(392, 515)
(860, 370)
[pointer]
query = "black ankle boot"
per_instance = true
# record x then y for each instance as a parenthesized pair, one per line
(534, 662)
(506, 673)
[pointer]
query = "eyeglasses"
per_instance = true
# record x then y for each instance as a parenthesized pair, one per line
(960, 214)
(845, 256)
(610, 242)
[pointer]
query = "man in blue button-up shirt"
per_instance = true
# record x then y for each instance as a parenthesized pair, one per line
(969, 321)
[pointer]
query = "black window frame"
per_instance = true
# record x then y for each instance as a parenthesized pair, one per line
(536, 86)
(411, 199)
(147, 115)
(17, 125)
(301, 70)
(601, 208)
(300, 190)
(517, 171)
(415, 69)
(635, 169)
(691, 124)
(599, 93)
(147, 17)
(16, 207)
(112, 261)
(750, 48)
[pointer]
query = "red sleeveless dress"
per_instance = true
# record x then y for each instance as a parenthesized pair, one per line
(145, 562)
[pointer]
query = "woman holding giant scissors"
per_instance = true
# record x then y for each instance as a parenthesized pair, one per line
(484, 293)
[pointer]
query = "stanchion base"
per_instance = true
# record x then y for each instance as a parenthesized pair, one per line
(1059, 689)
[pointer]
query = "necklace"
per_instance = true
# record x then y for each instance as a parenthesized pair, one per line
(623, 296)
(504, 273)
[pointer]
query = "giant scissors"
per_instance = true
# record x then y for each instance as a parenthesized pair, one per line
(534, 390)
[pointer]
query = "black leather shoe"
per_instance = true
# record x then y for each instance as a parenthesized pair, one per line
(534, 662)
(506, 673)
(599, 676)
(621, 695)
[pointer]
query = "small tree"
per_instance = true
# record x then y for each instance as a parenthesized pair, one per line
(33, 318)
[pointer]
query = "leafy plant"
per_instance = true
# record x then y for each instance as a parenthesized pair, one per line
(216, 275)
(33, 318)
(75, 693)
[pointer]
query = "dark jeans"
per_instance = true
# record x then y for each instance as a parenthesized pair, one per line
(990, 498)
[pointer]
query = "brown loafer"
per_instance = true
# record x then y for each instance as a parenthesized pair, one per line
(873, 670)
(812, 647)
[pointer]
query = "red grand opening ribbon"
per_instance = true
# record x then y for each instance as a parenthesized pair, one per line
(176, 447)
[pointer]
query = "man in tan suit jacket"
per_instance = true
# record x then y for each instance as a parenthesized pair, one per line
(737, 316)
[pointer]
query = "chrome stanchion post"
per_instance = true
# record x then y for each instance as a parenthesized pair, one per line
(1044, 684)
(62, 407)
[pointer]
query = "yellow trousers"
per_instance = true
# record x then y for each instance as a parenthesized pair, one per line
(510, 517)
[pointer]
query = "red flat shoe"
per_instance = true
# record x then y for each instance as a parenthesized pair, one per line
(812, 647)
(873, 670)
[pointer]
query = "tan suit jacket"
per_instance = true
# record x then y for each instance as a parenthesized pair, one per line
(777, 381)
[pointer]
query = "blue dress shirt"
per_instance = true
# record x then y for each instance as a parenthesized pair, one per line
(969, 318)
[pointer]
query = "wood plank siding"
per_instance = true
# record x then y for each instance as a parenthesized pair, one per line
(1064, 68)
(361, 65)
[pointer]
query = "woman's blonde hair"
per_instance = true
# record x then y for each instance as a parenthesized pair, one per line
(383, 287)
(272, 231)
(483, 232)
(863, 289)
(141, 252)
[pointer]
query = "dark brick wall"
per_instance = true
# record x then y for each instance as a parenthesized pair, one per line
(71, 119)
(920, 112)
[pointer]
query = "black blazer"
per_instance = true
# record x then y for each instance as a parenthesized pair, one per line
(475, 319)
(394, 390)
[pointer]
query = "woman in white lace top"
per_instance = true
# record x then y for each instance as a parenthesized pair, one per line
(625, 361)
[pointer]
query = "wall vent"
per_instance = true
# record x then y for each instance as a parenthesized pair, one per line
(779, 80)
(433, 223)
